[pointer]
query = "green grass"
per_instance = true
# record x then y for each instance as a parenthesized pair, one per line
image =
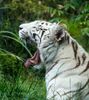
(75, 29)
(30, 88)
(19, 83)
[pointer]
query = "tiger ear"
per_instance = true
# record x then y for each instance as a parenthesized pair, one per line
(59, 35)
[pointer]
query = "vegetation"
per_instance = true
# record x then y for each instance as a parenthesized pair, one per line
(17, 82)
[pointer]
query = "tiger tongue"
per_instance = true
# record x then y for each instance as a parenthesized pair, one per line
(34, 60)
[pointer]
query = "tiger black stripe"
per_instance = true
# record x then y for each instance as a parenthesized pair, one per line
(84, 58)
(80, 89)
(75, 48)
(68, 39)
(87, 67)
(42, 33)
(52, 66)
(65, 36)
(57, 74)
(77, 65)
(34, 36)
(87, 93)
(45, 58)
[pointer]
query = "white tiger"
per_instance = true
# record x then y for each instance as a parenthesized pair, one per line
(66, 62)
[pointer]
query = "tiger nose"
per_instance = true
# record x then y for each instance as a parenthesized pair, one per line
(20, 28)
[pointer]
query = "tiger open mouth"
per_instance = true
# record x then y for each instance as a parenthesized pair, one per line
(34, 60)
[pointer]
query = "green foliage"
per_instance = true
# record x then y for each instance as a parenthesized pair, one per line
(23, 87)
(28, 84)
(16, 82)
(85, 31)
(9, 66)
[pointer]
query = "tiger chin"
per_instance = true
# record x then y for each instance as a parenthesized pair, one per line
(66, 62)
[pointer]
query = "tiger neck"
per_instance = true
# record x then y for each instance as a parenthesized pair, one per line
(65, 54)
(64, 51)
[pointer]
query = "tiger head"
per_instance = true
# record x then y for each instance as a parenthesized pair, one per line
(47, 36)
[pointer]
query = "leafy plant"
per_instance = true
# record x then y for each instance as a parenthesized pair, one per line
(16, 82)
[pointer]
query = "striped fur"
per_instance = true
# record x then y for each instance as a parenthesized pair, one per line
(66, 62)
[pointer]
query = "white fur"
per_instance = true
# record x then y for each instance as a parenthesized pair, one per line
(57, 59)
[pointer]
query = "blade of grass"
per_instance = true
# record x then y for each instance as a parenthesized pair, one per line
(13, 34)
(5, 52)
(5, 36)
